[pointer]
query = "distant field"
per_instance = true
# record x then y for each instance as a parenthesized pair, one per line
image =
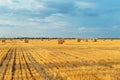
(48, 60)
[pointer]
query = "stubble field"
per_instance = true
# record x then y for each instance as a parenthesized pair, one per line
(48, 60)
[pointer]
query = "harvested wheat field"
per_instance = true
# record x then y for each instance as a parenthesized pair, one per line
(71, 60)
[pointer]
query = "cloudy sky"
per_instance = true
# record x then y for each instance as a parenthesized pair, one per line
(60, 18)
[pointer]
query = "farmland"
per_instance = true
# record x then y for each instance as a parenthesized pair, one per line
(48, 60)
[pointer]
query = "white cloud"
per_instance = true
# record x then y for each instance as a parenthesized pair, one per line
(54, 17)
(51, 22)
(57, 20)
(88, 29)
(81, 28)
(84, 5)
(22, 4)
(116, 27)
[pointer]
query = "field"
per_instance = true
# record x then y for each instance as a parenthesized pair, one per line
(48, 60)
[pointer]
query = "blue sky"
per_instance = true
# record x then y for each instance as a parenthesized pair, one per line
(60, 18)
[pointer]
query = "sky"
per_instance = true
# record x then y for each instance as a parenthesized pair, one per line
(60, 18)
